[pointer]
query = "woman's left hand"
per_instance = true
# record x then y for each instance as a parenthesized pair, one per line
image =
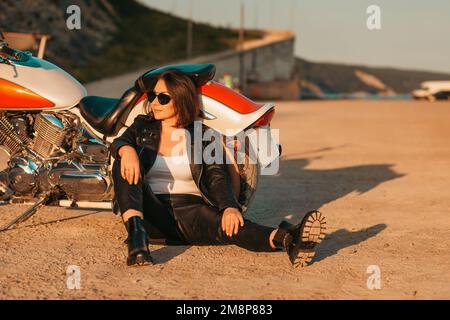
(231, 219)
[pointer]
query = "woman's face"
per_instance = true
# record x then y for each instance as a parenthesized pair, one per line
(162, 112)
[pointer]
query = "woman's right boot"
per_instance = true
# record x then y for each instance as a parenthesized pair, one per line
(300, 240)
(138, 252)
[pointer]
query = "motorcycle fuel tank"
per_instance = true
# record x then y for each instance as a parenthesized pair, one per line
(36, 84)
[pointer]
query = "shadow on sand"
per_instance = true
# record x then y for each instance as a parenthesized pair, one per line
(21, 226)
(344, 238)
(297, 189)
(167, 253)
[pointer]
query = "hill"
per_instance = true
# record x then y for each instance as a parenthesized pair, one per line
(333, 78)
(115, 36)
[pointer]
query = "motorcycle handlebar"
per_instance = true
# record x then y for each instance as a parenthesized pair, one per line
(7, 50)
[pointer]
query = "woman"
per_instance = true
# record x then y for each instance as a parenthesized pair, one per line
(166, 197)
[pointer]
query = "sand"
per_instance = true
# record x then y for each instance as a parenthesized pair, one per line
(379, 171)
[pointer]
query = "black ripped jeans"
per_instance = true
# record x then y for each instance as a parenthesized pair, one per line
(180, 219)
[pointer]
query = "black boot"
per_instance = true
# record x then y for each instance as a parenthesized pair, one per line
(300, 240)
(138, 252)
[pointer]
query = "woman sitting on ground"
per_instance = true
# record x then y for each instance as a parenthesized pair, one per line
(165, 197)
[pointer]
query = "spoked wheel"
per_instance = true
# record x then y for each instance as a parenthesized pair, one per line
(5, 194)
(248, 173)
(4, 190)
(244, 177)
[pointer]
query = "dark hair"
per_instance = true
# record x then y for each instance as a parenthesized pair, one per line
(184, 96)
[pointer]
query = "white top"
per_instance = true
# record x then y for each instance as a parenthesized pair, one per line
(171, 174)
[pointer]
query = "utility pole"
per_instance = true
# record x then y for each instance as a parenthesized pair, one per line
(256, 14)
(271, 15)
(242, 73)
(189, 31)
(241, 29)
(292, 15)
(174, 7)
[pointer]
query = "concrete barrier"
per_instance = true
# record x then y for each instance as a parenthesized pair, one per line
(266, 66)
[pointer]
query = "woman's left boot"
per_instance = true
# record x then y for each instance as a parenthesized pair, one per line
(138, 252)
(300, 240)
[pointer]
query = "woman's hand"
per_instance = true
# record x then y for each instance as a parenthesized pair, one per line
(231, 219)
(129, 164)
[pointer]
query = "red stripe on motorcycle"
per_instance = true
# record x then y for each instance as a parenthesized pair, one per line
(14, 96)
(229, 97)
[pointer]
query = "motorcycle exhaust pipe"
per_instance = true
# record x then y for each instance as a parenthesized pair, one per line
(105, 205)
(69, 204)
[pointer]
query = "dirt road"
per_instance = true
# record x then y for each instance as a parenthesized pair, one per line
(379, 170)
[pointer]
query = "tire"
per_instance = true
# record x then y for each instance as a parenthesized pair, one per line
(5, 192)
(249, 183)
(249, 176)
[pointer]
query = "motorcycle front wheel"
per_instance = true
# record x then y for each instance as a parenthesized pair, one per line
(4, 156)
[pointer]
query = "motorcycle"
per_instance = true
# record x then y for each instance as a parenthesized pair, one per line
(54, 139)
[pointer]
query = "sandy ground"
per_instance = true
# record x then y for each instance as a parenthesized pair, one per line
(380, 171)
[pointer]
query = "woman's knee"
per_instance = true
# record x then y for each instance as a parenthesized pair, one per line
(199, 224)
(129, 196)
(211, 214)
(117, 170)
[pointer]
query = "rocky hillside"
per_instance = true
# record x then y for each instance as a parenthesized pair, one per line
(330, 78)
(72, 49)
(116, 36)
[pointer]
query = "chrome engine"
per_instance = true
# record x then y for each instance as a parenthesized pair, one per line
(50, 135)
(52, 151)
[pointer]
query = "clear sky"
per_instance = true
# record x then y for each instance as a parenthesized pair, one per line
(415, 34)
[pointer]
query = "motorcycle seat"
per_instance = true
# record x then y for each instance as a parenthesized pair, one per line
(200, 74)
(108, 115)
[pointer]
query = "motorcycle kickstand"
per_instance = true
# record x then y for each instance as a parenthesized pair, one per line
(27, 214)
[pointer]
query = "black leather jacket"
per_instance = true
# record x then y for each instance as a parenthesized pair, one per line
(212, 180)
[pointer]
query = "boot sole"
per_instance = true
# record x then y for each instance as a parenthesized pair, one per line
(312, 232)
(140, 259)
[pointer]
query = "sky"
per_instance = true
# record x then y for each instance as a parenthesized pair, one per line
(414, 34)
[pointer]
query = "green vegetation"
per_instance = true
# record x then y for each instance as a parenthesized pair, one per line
(147, 37)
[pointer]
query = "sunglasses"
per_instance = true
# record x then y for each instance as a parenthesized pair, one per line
(163, 98)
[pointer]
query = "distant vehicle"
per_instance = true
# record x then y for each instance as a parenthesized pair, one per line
(433, 90)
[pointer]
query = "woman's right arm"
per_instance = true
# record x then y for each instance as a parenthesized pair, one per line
(124, 148)
(129, 164)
